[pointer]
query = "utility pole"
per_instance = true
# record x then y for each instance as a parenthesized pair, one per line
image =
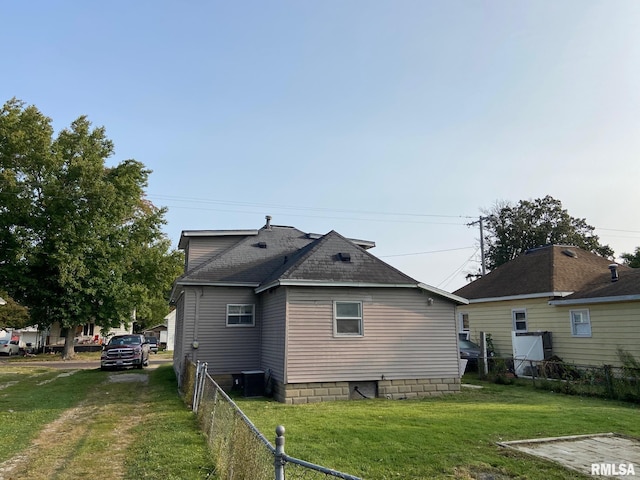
(482, 261)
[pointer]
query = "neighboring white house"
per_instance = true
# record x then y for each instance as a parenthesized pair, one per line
(86, 334)
(170, 322)
(28, 337)
(165, 331)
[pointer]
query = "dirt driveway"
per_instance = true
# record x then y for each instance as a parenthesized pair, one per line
(68, 447)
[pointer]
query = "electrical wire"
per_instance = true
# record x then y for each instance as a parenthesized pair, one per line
(446, 281)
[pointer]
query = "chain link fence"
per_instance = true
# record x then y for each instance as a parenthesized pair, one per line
(606, 381)
(240, 451)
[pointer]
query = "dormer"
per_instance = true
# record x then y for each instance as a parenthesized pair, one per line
(201, 245)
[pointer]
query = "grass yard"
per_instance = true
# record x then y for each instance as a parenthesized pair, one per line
(88, 423)
(80, 424)
(442, 437)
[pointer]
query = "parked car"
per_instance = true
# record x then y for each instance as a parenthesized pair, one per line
(469, 351)
(9, 347)
(125, 351)
(153, 344)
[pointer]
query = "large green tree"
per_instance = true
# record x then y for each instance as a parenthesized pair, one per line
(513, 229)
(632, 259)
(78, 241)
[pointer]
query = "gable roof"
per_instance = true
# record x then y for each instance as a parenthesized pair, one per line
(553, 270)
(278, 255)
(334, 259)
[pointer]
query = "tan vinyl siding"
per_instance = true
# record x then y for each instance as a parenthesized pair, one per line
(613, 325)
(227, 350)
(274, 311)
(199, 250)
(495, 318)
(403, 336)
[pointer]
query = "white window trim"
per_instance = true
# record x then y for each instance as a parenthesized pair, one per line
(526, 319)
(240, 325)
(461, 328)
(588, 315)
(336, 318)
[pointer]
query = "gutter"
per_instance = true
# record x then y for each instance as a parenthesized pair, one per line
(442, 293)
(596, 300)
(523, 296)
(317, 283)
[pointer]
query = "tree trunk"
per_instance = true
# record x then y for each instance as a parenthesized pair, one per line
(69, 351)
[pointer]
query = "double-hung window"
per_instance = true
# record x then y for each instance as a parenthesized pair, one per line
(519, 320)
(347, 319)
(464, 322)
(580, 323)
(240, 315)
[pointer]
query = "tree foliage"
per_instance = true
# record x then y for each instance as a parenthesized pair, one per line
(12, 315)
(632, 259)
(512, 230)
(78, 241)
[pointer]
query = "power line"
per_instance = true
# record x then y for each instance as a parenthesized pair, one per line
(361, 219)
(303, 208)
(424, 253)
(446, 281)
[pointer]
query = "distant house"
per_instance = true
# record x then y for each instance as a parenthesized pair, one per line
(314, 317)
(590, 306)
(165, 331)
(86, 335)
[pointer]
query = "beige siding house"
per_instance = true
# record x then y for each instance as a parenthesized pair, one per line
(590, 306)
(317, 316)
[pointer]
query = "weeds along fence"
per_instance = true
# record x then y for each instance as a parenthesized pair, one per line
(240, 451)
(606, 381)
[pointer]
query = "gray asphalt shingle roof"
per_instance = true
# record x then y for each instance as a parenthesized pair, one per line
(322, 261)
(287, 253)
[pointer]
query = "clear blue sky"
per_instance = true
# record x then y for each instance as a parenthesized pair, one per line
(392, 121)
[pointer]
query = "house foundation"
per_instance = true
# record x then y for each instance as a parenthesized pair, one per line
(296, 393)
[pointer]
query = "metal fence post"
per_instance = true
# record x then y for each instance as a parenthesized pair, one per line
(194, 399)
(609, 380)
(533, 372)
(279, 454)
(196, 382)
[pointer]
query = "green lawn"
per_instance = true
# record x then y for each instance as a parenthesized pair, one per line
(86, 425)
(443, 437)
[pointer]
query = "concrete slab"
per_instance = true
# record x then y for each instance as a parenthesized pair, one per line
(617, 456)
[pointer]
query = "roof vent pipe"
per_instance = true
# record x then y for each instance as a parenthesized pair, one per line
(268, 225)
(614, 272)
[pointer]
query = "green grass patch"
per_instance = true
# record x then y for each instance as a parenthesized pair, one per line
(32, 397)
(168, 443)
(122, 424)
(441, 437)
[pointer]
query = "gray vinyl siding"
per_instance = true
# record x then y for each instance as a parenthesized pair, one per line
(199, 250)
(178, 349)
(227, 350)
(274, 312)
(404, 337)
